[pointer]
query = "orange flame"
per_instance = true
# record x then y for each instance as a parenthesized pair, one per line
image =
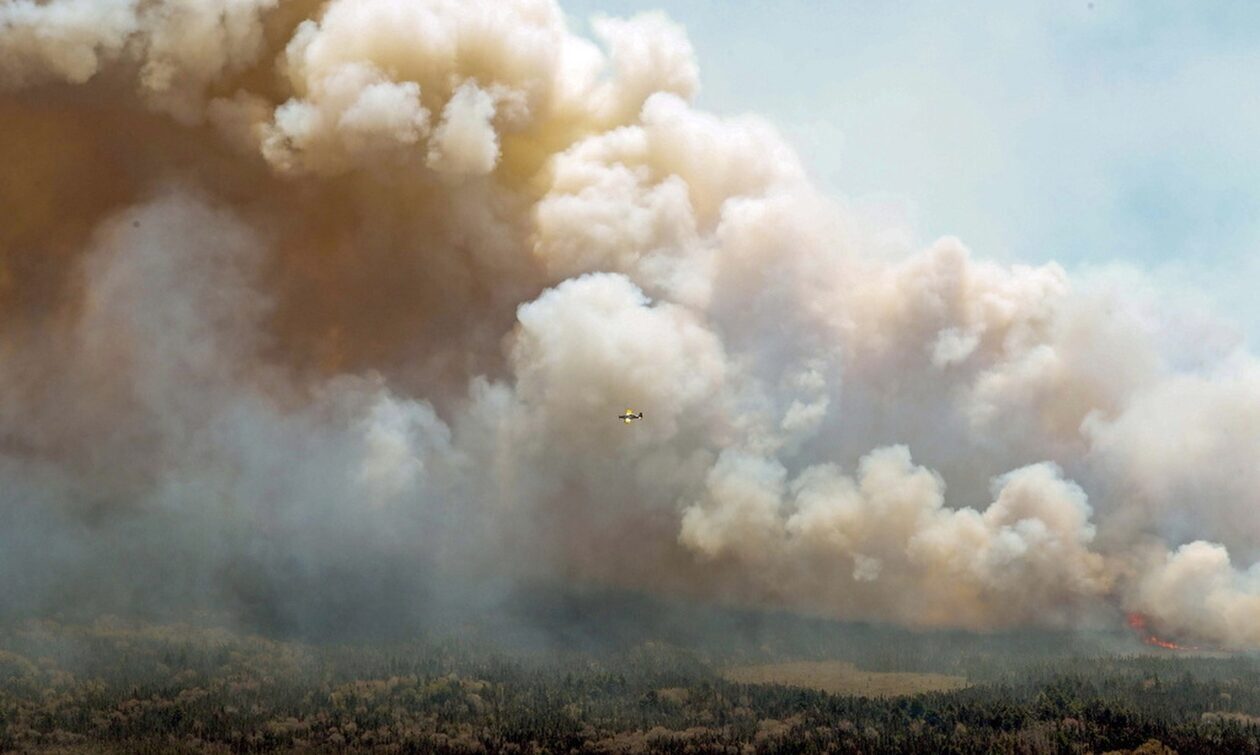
(1137, 622)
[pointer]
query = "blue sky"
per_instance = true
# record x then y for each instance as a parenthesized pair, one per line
(1104, 134)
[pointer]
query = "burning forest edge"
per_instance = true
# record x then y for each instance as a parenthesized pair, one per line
(1138, 623)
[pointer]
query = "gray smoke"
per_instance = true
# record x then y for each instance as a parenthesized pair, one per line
(321, 311)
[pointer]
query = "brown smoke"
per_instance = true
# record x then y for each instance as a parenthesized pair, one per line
(333, 297)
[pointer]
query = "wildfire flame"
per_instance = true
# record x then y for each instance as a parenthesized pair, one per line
(1137, 622)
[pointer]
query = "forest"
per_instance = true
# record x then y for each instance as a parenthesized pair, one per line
(110, 685)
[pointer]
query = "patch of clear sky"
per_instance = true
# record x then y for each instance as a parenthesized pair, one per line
(1089, 133)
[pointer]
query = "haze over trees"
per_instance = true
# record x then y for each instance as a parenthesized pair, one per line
(120, 687)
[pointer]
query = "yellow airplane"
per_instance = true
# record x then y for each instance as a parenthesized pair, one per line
(630, 416)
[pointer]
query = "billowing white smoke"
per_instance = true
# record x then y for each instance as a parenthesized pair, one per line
(310, 308)
(885, 544)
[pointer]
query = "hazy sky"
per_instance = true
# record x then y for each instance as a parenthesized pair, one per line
(1093, 133)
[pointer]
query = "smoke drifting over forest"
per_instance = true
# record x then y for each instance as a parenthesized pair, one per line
(324, 311)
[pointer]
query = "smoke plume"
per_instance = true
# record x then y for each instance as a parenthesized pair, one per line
(324, 311)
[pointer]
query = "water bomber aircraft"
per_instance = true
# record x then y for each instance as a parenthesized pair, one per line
(630, 416)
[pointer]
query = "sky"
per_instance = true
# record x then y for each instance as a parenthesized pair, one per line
(1102, 135)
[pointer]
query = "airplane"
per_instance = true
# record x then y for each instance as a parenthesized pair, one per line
(630, 416)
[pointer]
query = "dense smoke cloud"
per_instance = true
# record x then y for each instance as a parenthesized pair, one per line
(321, 312)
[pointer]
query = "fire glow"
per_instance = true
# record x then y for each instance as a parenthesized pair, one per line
(1137, 622)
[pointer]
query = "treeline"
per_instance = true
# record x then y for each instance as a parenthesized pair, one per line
(113, 687)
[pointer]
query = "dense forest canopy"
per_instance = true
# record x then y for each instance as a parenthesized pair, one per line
(132, 688)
